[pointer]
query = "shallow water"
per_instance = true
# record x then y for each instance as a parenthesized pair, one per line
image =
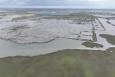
(8, 48)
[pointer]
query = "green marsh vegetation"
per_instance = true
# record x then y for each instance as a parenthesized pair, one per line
(65, 63)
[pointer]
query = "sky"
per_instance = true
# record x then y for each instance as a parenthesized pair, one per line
(58, 3)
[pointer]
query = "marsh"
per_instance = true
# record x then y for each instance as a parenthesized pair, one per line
(27, 33)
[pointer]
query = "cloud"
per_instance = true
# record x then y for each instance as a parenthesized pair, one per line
(66, 3)
(12, 2)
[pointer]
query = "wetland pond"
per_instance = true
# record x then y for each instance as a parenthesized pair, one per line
(8, 48)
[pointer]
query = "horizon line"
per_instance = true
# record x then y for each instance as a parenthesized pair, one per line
(53, 7)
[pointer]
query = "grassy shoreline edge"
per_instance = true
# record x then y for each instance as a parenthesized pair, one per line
(64, 63)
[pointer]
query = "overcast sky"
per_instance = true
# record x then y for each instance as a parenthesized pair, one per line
(59, 3)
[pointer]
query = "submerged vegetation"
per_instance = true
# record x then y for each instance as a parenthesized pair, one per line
(66, 63)
(92, 45)
(109, 38)
(110, 23)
